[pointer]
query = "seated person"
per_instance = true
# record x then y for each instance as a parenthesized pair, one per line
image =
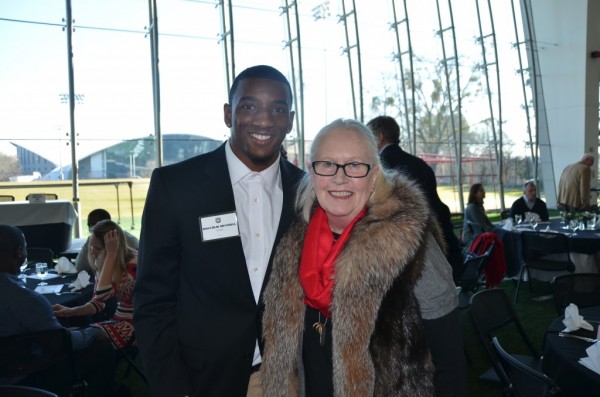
(95, 216)
(114, 264)
(476, 221)
(529, 202)
(23, 310)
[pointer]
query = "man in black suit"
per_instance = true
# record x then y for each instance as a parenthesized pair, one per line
(442, 329)
(387, 132)
(209, 229)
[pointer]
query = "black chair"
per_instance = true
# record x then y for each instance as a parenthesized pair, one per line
(7, 197)
(39, 254)
(24, 391)
(25, 357)
(492, 313)
(582, 289)
(504, 214)
(524, 381)
(472, 277)
(129, 353)
(49, 196)
(543, 251)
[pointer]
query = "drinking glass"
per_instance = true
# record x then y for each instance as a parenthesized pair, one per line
(592, 222)
(517, 219)
(573, 226)
(41, 269)
(534, 221)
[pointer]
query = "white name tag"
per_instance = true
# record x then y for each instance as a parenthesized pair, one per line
(219, 226)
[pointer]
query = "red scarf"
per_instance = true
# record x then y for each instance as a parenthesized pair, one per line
(318, 256)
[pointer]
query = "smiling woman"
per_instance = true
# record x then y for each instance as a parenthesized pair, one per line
(358, 264)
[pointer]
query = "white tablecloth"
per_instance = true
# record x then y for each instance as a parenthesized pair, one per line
(23, 213)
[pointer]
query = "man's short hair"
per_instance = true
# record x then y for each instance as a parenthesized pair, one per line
(529, 182)
(97, 215)
(260, 72)
(386, 126)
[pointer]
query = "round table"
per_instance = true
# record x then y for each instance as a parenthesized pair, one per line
(66, 298)
(561, 356)
(584, 242)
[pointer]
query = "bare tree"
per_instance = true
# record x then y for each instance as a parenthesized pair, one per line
(9, 166)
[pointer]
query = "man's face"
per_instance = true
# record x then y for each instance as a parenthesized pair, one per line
(530, 192)
(259, 116)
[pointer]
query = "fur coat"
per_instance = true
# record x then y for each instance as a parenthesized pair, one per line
(379, 348)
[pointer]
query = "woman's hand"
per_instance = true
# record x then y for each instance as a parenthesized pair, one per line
(111, 242)
(62, 311)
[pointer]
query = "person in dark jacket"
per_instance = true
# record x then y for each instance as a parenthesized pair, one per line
(529, 202)
(387, 132)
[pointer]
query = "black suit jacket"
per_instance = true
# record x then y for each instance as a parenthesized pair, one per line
(394, 157)
(195, 316)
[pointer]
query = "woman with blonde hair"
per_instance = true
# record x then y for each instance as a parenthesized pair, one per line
(114, 264)
(341, 313)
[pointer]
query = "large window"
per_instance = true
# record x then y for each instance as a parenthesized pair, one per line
(450, 76)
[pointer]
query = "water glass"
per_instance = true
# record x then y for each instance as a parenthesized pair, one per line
(592, 222)
(41, 269)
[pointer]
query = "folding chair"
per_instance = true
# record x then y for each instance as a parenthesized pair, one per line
(472, 277)
(39, 254)
(582, 289)
(491, 313)
(129, 353)
(25, 357)
(524, 381)
(543, 251)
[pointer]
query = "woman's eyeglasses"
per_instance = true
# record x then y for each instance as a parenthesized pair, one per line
(352, 170)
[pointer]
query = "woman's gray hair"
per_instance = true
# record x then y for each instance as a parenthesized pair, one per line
(306, 197)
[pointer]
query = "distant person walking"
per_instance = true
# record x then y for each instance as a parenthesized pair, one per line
(574, 185)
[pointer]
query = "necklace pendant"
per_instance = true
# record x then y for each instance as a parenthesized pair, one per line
(320, 327)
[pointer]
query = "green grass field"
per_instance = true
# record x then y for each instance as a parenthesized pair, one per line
(114, 195)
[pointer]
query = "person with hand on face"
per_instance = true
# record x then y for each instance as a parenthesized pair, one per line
(95, 216)
(529, 202)
(341, 313)
(114, 264)
(208, 231)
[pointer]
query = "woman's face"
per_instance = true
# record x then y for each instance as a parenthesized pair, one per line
(340, 196)
(96, 252)
(480, 194)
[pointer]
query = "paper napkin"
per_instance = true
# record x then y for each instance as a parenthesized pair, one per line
(48, 289)
(592, 361)
(573, 321)
(82, 281)
(508, 224)
(63, 265)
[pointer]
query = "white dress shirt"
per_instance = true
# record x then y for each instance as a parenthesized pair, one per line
(258, 203)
